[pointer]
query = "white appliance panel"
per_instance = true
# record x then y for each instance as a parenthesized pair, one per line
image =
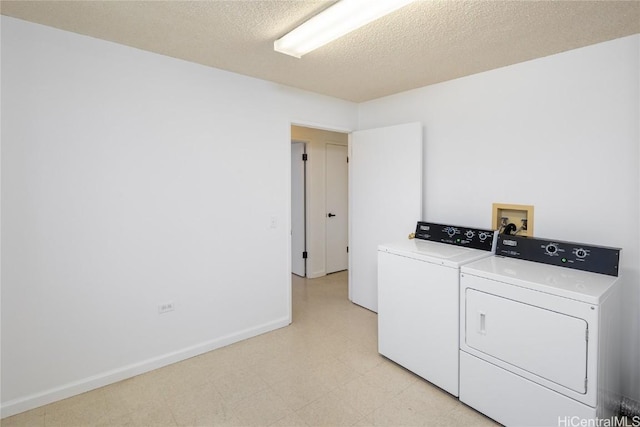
(569, 307)
(418, 318)
(513, 401)
(434, 252)
(564, 282)
(546, 343)
(503, 377)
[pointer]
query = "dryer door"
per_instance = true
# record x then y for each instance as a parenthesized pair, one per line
(546, 343)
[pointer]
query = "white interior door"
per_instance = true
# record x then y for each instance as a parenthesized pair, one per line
(298, 244)
(336, 220)
(385, 200)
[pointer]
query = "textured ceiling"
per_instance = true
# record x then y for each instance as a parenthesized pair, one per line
(424, 43)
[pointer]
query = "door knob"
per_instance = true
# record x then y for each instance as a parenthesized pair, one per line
(330, 215)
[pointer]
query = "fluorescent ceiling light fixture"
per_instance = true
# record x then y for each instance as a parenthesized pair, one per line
(333, 22)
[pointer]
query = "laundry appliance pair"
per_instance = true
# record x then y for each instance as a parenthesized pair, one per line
(524, 330)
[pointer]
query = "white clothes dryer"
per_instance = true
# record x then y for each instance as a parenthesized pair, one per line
(418, 286)
(539, 333)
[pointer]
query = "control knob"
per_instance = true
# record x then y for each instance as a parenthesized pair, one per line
(581, 253)
(551, 248)
(469, 234)
(451, 231)
(483, 235)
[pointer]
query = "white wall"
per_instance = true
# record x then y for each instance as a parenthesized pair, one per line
(317, 140)
(130, 179)
(560, 133)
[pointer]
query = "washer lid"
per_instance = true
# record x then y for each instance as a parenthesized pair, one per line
(579, 285)
(439, 253)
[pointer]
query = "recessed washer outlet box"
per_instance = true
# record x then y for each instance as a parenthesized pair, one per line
(521, 216)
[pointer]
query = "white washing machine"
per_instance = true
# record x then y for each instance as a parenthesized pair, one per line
(418, 286)
(539, 333)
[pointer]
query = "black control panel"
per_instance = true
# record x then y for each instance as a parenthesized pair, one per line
(596, 259)
(454, 235)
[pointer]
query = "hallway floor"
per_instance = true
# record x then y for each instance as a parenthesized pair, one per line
(322, 370)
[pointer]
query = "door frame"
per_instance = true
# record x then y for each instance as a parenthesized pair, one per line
(313, 125)
(316, 195)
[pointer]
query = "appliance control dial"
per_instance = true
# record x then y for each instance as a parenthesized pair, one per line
(551, 248)
(483, 236)
(581, 252)
(451, 231)
(469, 234)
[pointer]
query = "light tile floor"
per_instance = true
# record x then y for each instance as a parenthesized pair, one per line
(322, 370)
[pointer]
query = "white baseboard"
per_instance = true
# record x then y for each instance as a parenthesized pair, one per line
(316, 274)
(64, 391)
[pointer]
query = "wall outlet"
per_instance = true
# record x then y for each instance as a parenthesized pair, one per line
(166, 307)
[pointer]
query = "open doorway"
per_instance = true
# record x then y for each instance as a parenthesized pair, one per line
(325, 231)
